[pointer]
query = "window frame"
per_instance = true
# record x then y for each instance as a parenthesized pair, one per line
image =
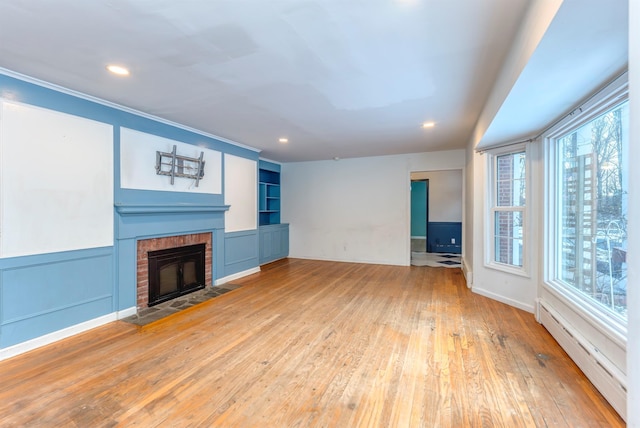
(599, 315)
(493, 207)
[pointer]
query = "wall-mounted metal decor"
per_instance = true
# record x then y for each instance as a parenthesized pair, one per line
(175, 165)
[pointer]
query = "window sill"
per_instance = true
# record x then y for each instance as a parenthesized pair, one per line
(608, 324)
(513, 270)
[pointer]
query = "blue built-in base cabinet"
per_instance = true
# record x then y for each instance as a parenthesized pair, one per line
(274, 242)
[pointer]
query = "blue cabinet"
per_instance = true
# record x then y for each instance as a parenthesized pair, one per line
(274, 242)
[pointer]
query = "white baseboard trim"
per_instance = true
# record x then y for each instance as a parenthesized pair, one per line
(242, 274)
(506, 300)
(55, 336)
(126, 312)
(468, 274)
(364, 262)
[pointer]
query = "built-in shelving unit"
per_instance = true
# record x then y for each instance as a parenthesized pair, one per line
(273, 235)
(269, 203)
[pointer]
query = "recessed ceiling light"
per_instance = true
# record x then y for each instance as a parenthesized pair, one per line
(428, 124)
(119, 70)
(283, 140)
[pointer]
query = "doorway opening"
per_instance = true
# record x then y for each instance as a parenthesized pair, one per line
(436, 218)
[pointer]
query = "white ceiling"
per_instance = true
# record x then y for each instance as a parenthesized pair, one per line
(338, 78)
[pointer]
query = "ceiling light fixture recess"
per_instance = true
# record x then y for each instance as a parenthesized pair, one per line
(428, 124)
(119, 70)
(283, 140)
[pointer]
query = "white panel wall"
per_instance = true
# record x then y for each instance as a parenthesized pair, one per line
(445, 194)
(56, 181)
(240, 192)
(355, 210)
(138, 164)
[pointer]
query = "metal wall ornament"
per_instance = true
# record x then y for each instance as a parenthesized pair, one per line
(174, 165)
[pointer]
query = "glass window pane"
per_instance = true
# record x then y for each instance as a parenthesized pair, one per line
(508, 251)
(510, 180)
(508, 224)
(508, 237)
(592, 228)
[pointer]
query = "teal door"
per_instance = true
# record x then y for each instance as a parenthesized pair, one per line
(419, 208)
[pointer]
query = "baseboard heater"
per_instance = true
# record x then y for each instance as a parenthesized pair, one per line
(604, 375)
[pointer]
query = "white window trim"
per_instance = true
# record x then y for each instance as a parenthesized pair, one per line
(598, 316)
(489, 228)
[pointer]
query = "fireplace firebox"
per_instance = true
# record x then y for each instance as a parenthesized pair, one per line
(174, 272)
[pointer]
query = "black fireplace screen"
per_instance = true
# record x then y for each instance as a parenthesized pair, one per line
(175, 271)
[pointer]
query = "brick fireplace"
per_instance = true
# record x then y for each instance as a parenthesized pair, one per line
(153, 244)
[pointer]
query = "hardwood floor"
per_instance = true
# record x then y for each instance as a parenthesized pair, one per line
(309, 343)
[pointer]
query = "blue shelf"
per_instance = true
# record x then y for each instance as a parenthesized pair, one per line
(269, 194)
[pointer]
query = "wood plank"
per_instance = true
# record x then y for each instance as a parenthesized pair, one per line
(310, 343)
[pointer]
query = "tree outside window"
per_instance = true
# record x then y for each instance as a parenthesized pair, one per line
(592, 195)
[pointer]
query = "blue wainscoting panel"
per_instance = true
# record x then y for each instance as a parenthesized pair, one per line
(45, 293)
(440, 236)
(240, 251)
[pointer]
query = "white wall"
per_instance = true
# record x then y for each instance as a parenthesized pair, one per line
(445, 194)
(355, 210)
(633, 260)
(469, 208)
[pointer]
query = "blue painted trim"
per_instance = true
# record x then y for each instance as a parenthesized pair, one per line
(167, 223)
(154, 197)
(52, 258)
(269, 166)
(169, 209)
